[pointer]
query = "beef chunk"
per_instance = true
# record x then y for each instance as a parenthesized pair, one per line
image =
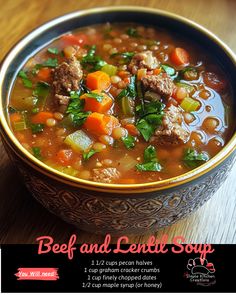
(105, 175)
(66, 78)
(142, 60)
(171, 132)
(161, 84)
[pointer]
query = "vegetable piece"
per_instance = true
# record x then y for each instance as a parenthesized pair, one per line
(53, 50)
(100, 124)
(152, 96)
(132, 32)
(189, 73)
(71, 39)
(64, 156)
(41, 91)
(20, 125)
(37, 128)
(26, 81)
(190, 105)
(157, 71)
(97, 105)
(66, 170)
(193, 159)
(88, 155)
(141, 73)
(92, 62)
(41, 117)
(109, 69)
(150, 117)
(179, 56)
(130, 90)
(150, 160)
(37, 152)
(132, 129)
(44, 74)
(78, 141)
(49, 63)
(126, 56)
(77, 116)
(98, 80)
(129, 141)
(26, 103)
(127, 163)
(188, 87)
(127, 106)
(168, 69)
(15, 117)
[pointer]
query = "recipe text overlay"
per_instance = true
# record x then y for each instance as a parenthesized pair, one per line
(153, 246)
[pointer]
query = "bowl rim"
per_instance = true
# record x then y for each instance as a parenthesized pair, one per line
(226, 151)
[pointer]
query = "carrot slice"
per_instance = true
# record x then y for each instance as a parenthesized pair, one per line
(41, 117)
(156, 71)
(101, 124)
(179, 56)
(64, 157)
(15, 117)
(132, 129)
(98, 80)
(44, 74)
(91, 104)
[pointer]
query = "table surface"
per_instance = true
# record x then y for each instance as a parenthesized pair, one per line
(22, 219)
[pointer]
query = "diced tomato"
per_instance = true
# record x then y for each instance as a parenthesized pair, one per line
(71, 39)
(64, 156)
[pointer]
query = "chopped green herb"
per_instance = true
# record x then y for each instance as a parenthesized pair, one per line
(150, 115)
(92, 62)
(35, 110)
(130, 90)
(53, 50)
(75, 109)
(41, 89)
(11, 110)
(127, 56)
(188, 73)
(194, 159)
(129, 141)
(37, 128)
(98, 97)
(87, 155)
(50, 63)
(150, 160)
(168, 69)
(37, 152)
(26, 81)
(132, 32)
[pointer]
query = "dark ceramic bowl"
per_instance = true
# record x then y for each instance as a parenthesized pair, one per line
(115, 208)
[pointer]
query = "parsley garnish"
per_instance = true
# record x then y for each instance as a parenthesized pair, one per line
(168, 69)
(53, 50)
(89, 154)
(75, 109)
(37, 128)
(150, 160)
(129, 141)
(37, 152)
(26, 81)
(98, 97)
(50, 63)
(91, 61)
(127, 56)
(132, 32)
(194, 159)
(130, 90)
(150, 117)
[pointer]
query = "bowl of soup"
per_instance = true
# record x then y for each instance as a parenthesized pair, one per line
(120, 120)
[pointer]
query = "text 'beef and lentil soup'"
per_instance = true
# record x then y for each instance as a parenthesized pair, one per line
(122, 103)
